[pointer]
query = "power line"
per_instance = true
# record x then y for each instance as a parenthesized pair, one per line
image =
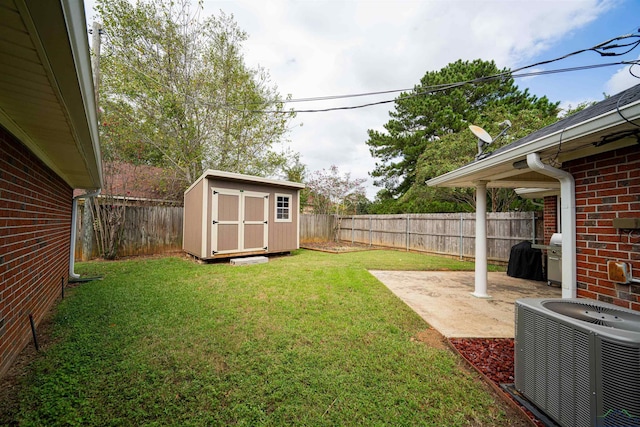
(439, 88)
(600, 48)
(355, 95)
(603, 49)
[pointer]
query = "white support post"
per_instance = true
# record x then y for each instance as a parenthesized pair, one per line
(481, 241)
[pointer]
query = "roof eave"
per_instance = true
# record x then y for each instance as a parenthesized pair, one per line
(238, 177)
(59, 33)
(464, 176)
(86, 119)
(212, 173)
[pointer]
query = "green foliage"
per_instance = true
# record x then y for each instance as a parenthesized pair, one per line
(455, 150)
(571, 110)
(332, 192)
(296, 171)
(176, 92)
(310, 339)
(427, 134)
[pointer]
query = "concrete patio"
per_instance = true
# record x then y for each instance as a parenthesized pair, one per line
(443, 299)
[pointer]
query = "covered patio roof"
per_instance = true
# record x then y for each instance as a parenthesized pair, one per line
(602, 127)
(532, 166)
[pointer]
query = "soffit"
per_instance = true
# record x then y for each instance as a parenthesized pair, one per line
(45, 99)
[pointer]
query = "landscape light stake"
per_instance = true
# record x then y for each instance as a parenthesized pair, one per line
(63, 287)
(33, 331)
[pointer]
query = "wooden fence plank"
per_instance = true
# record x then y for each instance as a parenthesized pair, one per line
(450, 234)
(152, 230)
(148, 230)
(317, 228)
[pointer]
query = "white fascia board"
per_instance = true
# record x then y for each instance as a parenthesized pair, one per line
(520, 183)
(537, 193)
(595, 124)
(74, 14)
(232, 176)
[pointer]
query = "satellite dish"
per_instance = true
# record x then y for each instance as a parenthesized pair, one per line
(484, 139)
(482, 134)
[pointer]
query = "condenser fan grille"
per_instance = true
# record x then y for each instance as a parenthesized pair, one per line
(596, 314)
(575, 370)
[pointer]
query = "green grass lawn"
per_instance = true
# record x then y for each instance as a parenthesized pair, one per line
(308, 339)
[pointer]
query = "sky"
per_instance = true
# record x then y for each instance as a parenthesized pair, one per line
(330, 47)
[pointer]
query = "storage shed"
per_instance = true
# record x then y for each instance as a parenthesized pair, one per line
(230, 214)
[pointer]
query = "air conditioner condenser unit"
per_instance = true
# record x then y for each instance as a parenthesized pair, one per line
(578, 361)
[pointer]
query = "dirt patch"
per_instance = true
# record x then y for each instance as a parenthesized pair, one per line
(432, 338)
(336, 247)
(11, 382)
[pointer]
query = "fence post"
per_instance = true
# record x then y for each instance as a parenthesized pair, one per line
(533, 226)
(461, 236)
(352, 224)
(370, 232)
(407, 232)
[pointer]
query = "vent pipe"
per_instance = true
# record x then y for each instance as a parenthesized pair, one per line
(568, 217)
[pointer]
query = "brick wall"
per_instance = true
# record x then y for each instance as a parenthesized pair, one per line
(550, 217)
(35, 228)
(607, 187)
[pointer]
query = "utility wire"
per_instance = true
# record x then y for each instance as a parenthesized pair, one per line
(435, 89)
(601, 48)
(355, 95)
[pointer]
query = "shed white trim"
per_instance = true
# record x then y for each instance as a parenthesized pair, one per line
(238, 177)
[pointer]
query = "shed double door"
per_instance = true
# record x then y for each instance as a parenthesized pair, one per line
(240, 221)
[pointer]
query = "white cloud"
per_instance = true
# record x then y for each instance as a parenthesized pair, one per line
(623, 79)
(362, 46)
(330, 47)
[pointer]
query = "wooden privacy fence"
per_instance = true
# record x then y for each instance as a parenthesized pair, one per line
(317, 227)
(148, 230)
(450, 234)
(157, 229)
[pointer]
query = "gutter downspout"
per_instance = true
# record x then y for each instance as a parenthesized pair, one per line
(74, 220)
(568, 217)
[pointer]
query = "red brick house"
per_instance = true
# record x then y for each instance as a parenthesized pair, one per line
(587, 169)
(48, 147)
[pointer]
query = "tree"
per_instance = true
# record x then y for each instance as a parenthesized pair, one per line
(296, 171)
(570, 110)
(176, 92)
(457, 149)
(425, 118)
(331, 192)
(335, 193)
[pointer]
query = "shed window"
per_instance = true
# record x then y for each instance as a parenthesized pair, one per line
(283, 208)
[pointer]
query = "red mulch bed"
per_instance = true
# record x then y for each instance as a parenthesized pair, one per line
(493, 357)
